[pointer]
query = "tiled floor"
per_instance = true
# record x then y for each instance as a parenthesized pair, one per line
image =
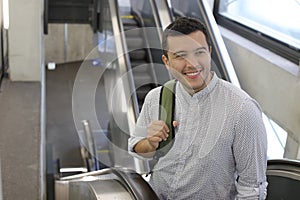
(20, 139)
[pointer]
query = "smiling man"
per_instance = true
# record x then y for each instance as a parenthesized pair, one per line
(220, 145)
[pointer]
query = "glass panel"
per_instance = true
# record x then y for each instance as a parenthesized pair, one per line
(103, 73)
(276, 18)
(276, 139)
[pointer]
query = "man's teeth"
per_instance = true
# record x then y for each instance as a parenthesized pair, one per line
(192, 74)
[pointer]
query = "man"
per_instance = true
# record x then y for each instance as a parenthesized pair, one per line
(220, 145)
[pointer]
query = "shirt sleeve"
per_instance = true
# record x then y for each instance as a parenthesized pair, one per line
(250, 152)
(147, 115)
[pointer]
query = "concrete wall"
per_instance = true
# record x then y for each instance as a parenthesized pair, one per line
(273, 81)
(1, 195)
(25, 40)
(68, 43)
(1, 50)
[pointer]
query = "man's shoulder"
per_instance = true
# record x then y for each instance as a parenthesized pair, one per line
(237, 97)
(153, 94)
(234, 90)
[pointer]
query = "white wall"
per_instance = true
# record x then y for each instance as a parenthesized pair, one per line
(25, 40)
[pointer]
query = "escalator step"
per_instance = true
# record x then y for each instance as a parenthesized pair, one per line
(139, 64)
(140, 80)
(134, 32)
(129, 21)
(128, 28)
(142, 91)
(135, 43)
(138, 54)
(140, 68)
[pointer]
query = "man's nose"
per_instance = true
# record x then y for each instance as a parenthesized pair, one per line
(191, 60)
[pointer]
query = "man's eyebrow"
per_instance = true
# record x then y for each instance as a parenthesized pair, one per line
(200, 48)
(178, 52)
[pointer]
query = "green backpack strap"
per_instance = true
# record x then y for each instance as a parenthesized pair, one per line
(166, 113)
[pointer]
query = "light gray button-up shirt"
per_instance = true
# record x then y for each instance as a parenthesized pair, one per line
(220, 136)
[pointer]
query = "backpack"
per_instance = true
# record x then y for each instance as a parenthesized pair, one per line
(166, 113)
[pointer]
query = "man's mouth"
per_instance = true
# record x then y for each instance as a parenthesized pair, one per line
(193, 74)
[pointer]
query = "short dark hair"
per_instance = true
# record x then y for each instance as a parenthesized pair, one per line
(183, 25)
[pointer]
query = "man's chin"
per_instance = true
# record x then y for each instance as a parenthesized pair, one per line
(192, 88)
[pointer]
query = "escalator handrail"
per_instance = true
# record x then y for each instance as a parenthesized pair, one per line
(137, 14)
(283, 173)
(284, 165)
(132, 181)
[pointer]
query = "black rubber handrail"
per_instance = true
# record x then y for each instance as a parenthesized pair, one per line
(284, 164)
(135, 184)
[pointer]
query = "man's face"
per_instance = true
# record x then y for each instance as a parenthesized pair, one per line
(189, 60)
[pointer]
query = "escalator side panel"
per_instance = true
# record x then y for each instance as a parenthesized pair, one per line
(282, 188)
(104, 189)
(283, 176)
(107, 184)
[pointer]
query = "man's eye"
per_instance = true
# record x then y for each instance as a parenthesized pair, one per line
(179, 56)
(199, 52)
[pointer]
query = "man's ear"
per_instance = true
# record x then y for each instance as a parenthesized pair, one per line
(165, 61)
